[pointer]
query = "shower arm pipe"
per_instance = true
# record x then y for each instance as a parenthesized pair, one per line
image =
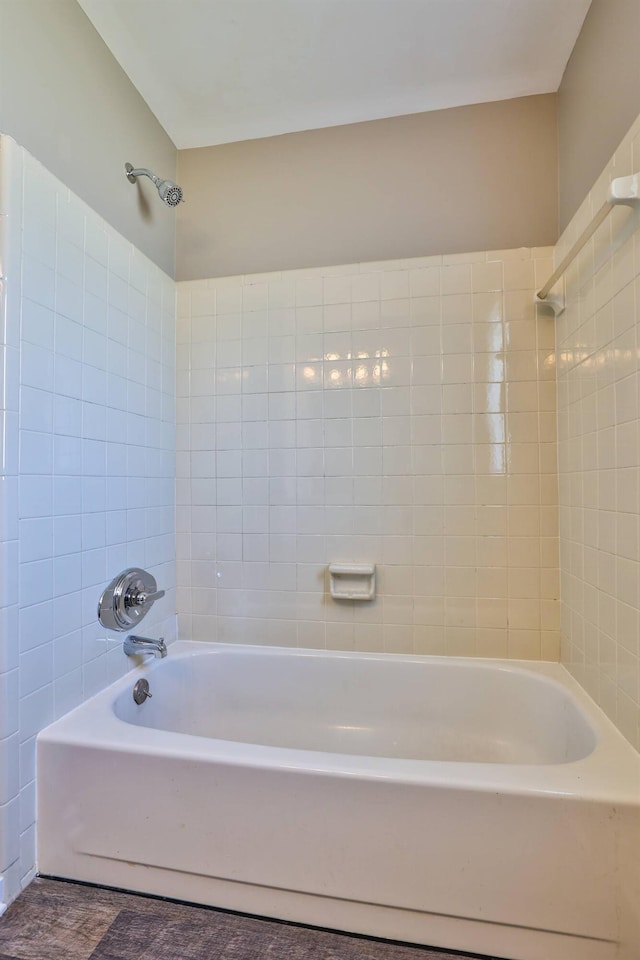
(622, 190)
(141, 172)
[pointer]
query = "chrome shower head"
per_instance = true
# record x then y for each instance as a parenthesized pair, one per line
(168, 191)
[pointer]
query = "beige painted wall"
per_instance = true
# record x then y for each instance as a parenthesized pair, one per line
(65, 98)
(598, 99)
(448, 181)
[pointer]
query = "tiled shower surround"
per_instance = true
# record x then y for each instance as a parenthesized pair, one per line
(401, 413)
(87, 471)
(599, 459)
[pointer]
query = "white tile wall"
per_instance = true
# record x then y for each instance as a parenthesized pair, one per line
(599, 461)
(401, 413)
(88, 352)
(10, 743)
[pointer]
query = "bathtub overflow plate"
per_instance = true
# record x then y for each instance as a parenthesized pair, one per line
(141, 691)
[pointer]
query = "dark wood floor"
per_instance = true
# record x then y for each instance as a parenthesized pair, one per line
(54, 920)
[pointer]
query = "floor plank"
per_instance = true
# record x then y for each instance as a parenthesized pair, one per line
(55, 920)
(40, 927)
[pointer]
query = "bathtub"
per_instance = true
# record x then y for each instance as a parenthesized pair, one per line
(480, 805)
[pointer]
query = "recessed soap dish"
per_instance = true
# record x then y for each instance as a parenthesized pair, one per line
(352, 581)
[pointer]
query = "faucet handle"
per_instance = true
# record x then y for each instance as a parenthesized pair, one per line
(139, 599)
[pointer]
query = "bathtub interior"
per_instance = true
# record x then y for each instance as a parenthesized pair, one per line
(401, 708)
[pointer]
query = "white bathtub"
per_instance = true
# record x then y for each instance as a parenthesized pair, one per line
(479, 805)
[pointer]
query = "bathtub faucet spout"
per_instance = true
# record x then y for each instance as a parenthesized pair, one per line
(140, 646)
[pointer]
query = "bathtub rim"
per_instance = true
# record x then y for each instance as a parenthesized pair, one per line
(610, 773)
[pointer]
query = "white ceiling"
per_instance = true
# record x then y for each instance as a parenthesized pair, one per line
(217, 71)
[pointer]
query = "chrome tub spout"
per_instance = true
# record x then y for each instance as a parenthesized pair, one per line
(141, 646)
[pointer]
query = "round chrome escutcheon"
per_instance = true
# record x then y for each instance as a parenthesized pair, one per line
(128, 599)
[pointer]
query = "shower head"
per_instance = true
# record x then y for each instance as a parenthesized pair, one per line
(168, 191)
